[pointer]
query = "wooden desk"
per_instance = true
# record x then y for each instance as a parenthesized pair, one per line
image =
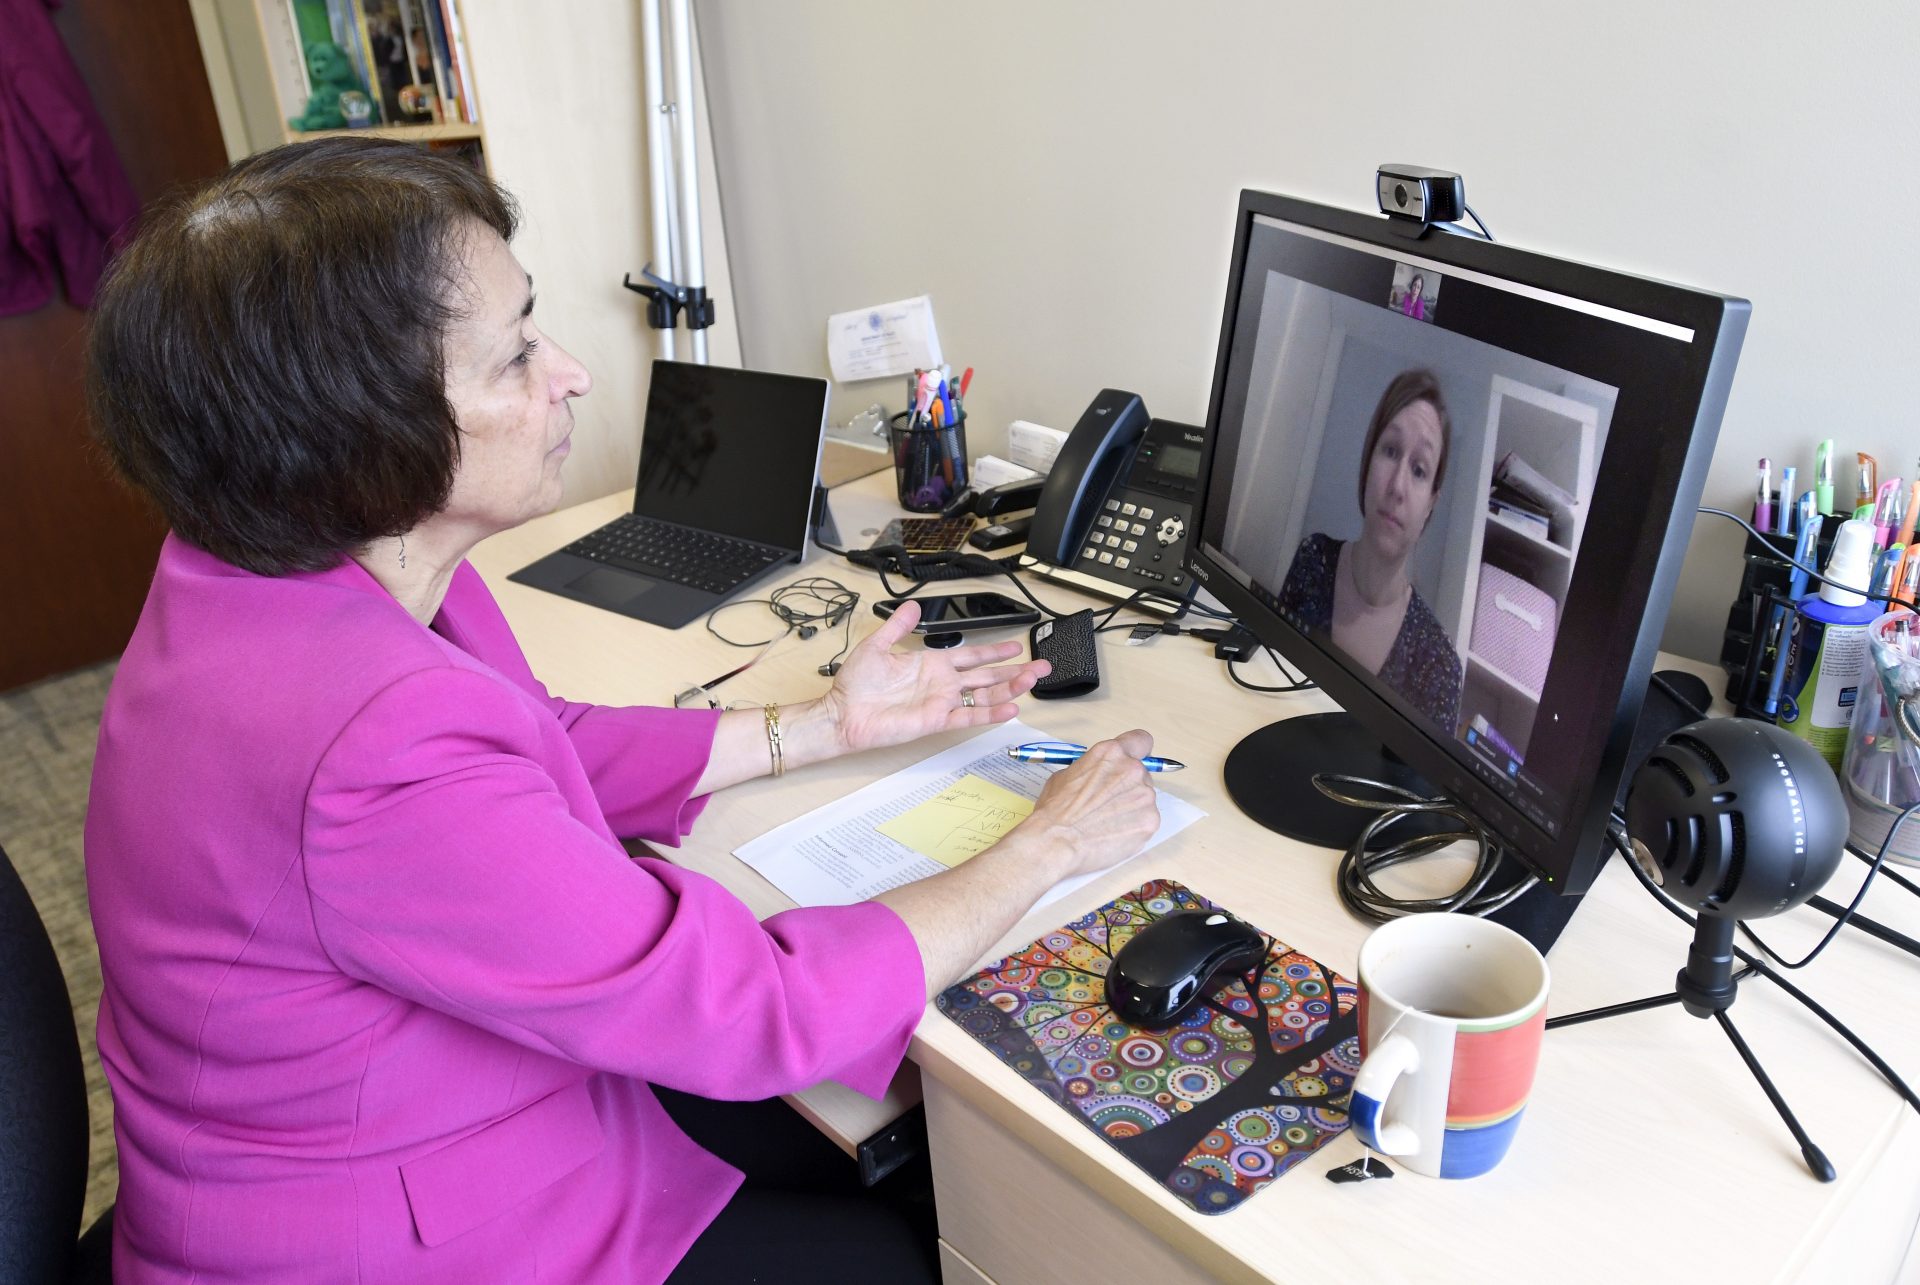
(1647, 1153)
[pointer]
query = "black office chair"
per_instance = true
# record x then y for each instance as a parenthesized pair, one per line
(43, 1110)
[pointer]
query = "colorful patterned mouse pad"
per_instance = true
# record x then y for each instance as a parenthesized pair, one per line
(1244, 1088)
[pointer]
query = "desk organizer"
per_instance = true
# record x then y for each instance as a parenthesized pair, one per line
(1214, 1109)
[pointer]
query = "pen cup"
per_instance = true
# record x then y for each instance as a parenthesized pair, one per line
(929, 464)
(1880, 773)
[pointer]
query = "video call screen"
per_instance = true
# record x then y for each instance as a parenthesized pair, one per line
(1401, 482)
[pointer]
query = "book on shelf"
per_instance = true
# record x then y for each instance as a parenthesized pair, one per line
(462, 62)
(385, 33)
(350, 33)
(1521, 519)
(440, 54)
(1504, 495)
(1529, 481)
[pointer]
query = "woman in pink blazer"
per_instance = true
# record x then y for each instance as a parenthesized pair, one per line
(384, 995)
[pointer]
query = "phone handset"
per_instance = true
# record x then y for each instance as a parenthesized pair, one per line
(1091, 460)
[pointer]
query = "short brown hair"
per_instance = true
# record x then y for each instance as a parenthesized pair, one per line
(267, 359)
(1408, 387)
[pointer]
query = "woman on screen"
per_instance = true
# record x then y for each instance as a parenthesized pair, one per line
(1414, 304)
(1359, 590)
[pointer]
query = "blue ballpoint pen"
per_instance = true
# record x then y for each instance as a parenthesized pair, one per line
(1806, 512)
(1068, 752)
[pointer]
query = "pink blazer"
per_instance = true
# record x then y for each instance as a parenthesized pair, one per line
(383, 993)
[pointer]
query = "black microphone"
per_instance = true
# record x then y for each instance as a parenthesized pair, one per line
(1735, 819)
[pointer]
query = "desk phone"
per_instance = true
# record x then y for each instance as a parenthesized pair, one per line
(1118, 506)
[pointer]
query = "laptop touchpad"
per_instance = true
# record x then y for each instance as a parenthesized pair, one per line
(605, 584)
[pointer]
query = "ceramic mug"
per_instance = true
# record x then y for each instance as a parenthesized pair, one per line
(1452, 1009)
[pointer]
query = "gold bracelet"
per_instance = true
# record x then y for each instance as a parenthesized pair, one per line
(773, 739)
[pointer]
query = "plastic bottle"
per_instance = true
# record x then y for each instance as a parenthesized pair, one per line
(1827, 660)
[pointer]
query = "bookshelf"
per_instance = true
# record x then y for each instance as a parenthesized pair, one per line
(256, 62)
(1525, 563)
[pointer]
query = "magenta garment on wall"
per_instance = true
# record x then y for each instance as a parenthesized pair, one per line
(65, 202)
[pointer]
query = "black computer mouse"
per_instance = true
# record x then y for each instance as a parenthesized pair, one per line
(1170, 964)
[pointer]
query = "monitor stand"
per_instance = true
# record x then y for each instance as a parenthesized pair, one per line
(1269, 776)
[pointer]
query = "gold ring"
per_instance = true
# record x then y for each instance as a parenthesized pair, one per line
(966, 698)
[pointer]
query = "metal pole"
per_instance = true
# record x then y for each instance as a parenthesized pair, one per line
(659, 144)
(690, 271)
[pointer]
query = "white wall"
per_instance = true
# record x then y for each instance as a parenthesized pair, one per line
(1062, 179)
(560, 89)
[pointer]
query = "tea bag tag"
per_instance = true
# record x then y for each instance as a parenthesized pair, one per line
(1367, 1166)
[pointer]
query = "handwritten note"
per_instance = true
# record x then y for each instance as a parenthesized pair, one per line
(964, 820)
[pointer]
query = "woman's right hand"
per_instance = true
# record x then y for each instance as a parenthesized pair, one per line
(1101, 809)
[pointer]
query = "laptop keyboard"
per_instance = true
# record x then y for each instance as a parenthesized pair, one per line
(697, 559)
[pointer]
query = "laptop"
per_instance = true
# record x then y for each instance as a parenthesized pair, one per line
(728, 460)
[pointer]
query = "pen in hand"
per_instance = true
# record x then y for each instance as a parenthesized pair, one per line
(1068, 752)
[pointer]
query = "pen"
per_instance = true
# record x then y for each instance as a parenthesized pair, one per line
(1869, 479)
(1787, 515)
(1763, 502)
(1885, 570)
(966, 378)
(1823, 477)
(1068, 752)
(1803, 551)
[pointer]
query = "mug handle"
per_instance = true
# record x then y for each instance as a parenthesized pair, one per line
(1396, 1056)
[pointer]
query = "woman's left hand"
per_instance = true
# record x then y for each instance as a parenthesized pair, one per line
(883, 697)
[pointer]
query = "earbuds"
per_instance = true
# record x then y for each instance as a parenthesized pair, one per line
(829, 669)
(808, 631)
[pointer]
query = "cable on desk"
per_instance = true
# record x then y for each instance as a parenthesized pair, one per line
(1840, 920)
(1294, 683)
(1888, 873)
(1617, 836)
(805, 606)
(1354, 881)
(1790, 560)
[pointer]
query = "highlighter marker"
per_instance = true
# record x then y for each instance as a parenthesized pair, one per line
(1884, 520)
(1912, 511)
(1823, 477)
(1908, 588)
(1869, 479)
(1763, 501)
(1783, 524)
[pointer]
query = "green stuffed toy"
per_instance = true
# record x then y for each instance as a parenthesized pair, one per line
(331, 74)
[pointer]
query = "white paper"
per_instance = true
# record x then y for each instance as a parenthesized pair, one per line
(835, 855)
(887, 339)
(991, 471)
(1034, 446)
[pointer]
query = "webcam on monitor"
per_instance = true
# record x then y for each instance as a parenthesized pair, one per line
(1420, 195)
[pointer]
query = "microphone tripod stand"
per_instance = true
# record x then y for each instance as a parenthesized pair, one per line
(1707, 986)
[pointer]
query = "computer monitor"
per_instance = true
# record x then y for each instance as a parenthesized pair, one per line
(1452, 482)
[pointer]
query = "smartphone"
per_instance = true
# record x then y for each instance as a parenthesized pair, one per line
(952, 613)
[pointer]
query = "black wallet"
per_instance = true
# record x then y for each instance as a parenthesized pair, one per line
(1067, 642)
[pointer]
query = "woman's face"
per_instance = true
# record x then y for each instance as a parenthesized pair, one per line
(1399, 494)
(509, 386)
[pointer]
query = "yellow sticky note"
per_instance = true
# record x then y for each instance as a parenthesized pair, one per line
(969, 817)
